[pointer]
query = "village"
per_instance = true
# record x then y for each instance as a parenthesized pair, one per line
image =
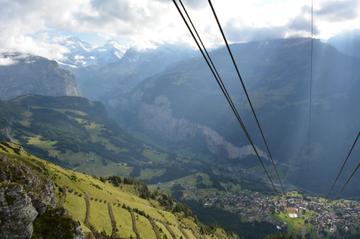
(324, 217)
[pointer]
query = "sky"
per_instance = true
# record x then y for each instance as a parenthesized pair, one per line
(40, 26)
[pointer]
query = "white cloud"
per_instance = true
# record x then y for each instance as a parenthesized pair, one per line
(28, 26)
(339, 10)
(6, 61)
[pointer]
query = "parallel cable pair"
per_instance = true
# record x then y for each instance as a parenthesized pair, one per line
(343, 166)
(218, 79)
(247, 95)
(310, 116)
(309, 140)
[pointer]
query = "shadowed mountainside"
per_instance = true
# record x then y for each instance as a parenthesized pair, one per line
(27, 74)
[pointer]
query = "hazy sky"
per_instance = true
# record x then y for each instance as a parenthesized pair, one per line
(37, 26)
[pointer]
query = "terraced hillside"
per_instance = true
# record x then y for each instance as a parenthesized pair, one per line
(103, 208)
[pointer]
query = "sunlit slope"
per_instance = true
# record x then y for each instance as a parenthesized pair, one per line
(116, 211)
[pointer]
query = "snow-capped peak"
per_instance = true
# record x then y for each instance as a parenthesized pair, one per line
(83, 54)
(76, 44)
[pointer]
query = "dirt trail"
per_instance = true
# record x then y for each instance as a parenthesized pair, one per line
(87, 213)
(87, 218)
(155, 228)
(170, 230)
(113, 221)
(196, 235)
(133, 219)
(184, 233)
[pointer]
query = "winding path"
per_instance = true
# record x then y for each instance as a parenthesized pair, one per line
(155, 228)
(87, 217)
(170, 230)
(196, 235)
(184, 233)
(87, 213)
(113, 221)
(133, 219)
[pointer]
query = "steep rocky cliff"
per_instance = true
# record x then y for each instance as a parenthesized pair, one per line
(26, 198)
(27, 74)
(16, 211)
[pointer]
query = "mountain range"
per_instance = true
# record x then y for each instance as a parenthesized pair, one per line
(82, 54)
(167, 98)
(157, 115)
(347, 43)
(98, 82)
(182, 109)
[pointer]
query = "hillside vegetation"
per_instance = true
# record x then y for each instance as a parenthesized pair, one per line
(67, 130)
(77, 133)
(182, 109)
(111, 207)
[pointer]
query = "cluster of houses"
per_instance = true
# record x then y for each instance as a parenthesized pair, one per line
(327, 217)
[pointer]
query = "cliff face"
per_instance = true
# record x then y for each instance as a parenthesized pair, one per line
(27, 198)
(158, 119)
(23, 196)
(26, 74)
(16, 212)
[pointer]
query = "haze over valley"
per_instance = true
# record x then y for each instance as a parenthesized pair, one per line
(112, 125)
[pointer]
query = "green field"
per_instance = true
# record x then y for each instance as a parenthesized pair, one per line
(123, 222)
(99, 217)
(298, 226)
(144, 227)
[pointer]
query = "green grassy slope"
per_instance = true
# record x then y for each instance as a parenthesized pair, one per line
(89, 201)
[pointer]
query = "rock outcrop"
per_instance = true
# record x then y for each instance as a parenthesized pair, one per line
(28, 204)
(157, 119)
(16, 212)
(34, 75)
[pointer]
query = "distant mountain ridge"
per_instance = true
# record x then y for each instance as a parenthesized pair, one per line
(99, 82)
(347, 43)
(175, 106)
(25, 74)
(168, 97)
(83, 54)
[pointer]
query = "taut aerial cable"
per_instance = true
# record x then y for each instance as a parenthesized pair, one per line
(309, 134)
(246, 94)
(343, 164)
(351, 176)
(224, 91)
